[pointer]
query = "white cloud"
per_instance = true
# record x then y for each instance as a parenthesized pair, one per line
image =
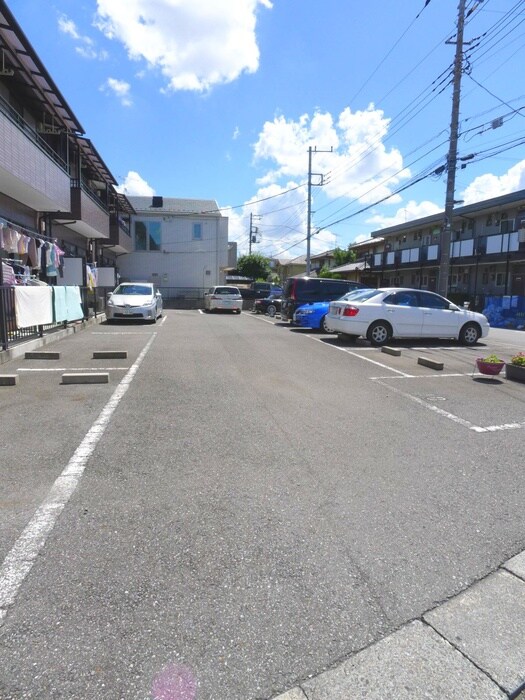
(67, 26)
(119, 88)
(489, 186)
(136, 186)
(236, 133)
(87, 47)
(359, 167)
(280, 220)
(411, 211)
(194, 43)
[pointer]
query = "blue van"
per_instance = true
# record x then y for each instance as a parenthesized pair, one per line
(309, 290)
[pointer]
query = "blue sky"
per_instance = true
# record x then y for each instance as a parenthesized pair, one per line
(221, 99)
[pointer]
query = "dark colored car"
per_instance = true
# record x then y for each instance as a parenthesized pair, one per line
(308, 290)
(269, 305)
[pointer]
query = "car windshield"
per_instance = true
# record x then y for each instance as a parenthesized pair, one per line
(133, 289)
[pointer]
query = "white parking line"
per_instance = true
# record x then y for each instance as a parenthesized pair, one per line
(430, 376)
(20, 559)
(431, 407)
(356, 354)
(69, 369)
(447, 414)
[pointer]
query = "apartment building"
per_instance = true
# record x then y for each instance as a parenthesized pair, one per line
(487, 251)
(54, 186)
(177, 244)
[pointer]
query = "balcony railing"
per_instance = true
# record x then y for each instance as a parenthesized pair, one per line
(31, 134)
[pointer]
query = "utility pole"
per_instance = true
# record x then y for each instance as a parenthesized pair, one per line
(254, 230)
(446, 231)
(309, 214)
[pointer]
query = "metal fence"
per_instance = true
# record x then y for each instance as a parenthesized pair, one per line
(93, 304)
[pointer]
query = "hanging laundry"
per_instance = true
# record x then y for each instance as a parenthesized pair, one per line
(32, 259)
(8, 275)
(90, 278)
(52, 263)
(11, 240)
(33, 306)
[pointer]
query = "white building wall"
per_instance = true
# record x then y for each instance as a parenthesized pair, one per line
(182, 261)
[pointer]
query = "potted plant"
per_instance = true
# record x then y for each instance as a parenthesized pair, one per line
(515, 369)
(491, 365)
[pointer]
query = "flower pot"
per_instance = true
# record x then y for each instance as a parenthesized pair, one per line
(515, 372)
(489, 368)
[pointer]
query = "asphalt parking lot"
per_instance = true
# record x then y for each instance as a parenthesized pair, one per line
(457, 392)
(336, 496)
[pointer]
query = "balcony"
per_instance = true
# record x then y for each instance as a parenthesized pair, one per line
(119, 235)
(31, 172)
(90, 212)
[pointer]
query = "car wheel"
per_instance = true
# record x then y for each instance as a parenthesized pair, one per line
(379, 333)
(325, 326)
(271, 310)
(469, 334)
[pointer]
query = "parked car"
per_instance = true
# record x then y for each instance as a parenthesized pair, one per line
(264, 289)
(315, 315)
(134, 301)
(303, 290)
(223, 298)
(396, 312)
(269, 305)
(260, 290)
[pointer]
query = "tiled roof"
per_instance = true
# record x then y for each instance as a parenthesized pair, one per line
(174, 205)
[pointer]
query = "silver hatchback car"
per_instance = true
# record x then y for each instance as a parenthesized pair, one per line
(134, 301)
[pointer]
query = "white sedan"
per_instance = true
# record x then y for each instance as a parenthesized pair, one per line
(394, 312)
(134, 301)
(224, 298)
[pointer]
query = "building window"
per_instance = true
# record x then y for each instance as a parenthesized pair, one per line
(500, 279)
(147, 235)
(489, 220)
(197, 232)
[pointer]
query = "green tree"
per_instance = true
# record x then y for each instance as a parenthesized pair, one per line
(342, 256)
(255, 266)
(327, 273)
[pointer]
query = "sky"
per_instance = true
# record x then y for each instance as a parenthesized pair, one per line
(222, 99)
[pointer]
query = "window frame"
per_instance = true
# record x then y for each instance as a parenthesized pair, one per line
(196, 226)
(147, 224)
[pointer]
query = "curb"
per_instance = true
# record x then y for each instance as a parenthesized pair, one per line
(472, 645)
(35, 343)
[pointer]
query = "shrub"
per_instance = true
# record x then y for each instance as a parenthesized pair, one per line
(518, 359)
(492, 360)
